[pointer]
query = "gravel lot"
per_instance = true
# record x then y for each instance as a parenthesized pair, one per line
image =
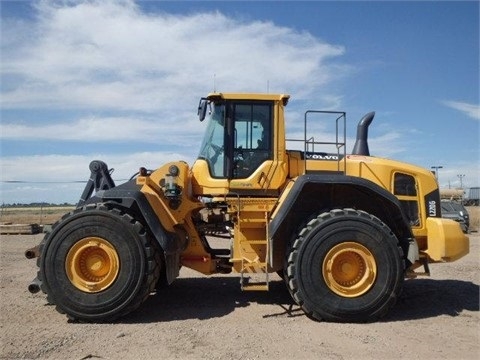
(201, 317)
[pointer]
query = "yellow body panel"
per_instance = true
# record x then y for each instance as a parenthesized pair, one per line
(269, 176)
(170, 217)
(440, 239)
(178, 219)
(446, 241)
(195, 255)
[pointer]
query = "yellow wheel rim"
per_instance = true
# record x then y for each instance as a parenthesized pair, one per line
(92, 264)
(349, 269)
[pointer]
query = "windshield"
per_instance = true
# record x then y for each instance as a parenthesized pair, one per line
(212, 149)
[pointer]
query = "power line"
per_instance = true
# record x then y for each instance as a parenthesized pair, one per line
(41, 182)
(50, 182)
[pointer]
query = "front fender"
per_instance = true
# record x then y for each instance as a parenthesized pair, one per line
(129, 196)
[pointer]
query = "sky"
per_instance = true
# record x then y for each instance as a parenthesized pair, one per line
(120, 81)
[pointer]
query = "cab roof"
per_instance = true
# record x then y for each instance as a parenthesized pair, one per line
(249, 96)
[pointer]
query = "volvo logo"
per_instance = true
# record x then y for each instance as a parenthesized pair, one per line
(322, 157)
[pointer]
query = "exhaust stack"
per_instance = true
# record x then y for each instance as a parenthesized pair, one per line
(361, 144)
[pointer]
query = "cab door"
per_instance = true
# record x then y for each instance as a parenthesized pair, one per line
(251, 137)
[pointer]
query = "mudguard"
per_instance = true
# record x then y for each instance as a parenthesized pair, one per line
(129, 196)
(312, 194)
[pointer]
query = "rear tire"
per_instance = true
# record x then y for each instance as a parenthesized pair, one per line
(345, 266)
(98, 264)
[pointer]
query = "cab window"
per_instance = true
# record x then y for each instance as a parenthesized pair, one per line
(405, 189)
(252, 143)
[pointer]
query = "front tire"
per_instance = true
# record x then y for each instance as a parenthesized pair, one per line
(345, 266)
(98, 264)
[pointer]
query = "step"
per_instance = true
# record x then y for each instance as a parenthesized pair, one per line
(250, 284)
(255, 287)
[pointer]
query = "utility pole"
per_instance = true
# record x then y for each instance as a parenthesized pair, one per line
(435, 171)
(461, 176)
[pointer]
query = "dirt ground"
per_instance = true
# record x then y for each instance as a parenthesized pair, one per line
(201, 317)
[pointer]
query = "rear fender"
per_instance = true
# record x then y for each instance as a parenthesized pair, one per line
(313, 194)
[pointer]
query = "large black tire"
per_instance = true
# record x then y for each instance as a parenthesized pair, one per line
(98, 264)
(345, 266)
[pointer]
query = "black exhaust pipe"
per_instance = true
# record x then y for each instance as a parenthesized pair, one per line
(361, 144)
(34, 286)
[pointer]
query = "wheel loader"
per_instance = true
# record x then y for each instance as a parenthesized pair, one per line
(342, 230)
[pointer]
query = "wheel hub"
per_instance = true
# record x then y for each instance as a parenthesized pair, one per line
(349, 269)
(92, 264)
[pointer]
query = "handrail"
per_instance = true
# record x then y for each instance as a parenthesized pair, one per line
(339, 143)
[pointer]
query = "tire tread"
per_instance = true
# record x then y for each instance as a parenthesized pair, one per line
(294, 252)
(151, 253)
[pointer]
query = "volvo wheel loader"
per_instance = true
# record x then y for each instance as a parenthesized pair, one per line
(342, 230)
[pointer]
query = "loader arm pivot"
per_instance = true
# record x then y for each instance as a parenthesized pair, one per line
(100, 179)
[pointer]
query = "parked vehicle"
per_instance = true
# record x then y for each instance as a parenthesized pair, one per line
(456, 211)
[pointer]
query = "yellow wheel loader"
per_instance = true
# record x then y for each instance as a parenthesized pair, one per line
(342, 230)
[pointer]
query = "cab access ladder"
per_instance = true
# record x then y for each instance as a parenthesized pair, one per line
(254, 270)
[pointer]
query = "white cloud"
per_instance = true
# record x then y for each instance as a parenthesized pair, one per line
(382, 145)
(470, 110)
(69, 168)
(111, 55)
(108, 129)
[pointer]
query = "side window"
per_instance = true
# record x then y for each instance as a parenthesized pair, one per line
(252, 137)
(404, 185)
(405, 188)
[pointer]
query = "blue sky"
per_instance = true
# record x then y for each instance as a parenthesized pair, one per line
(120, 81)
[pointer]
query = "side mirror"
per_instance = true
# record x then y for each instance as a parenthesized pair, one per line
(202, 109)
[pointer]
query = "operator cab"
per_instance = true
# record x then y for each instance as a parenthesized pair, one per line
(238, 148)
(238, 138)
